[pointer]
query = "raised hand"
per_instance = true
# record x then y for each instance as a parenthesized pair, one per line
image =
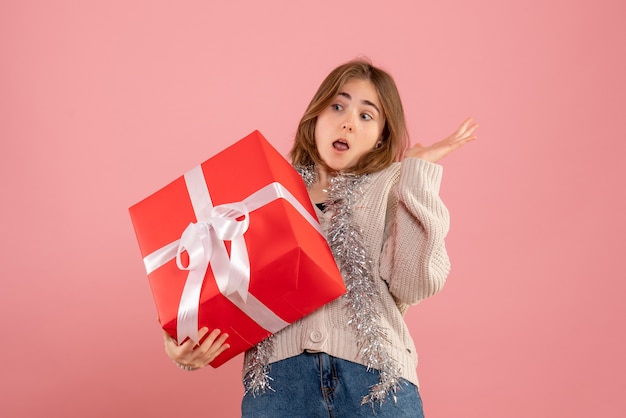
(438, 150)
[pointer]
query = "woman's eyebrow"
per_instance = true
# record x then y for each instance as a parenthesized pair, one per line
(366, 102)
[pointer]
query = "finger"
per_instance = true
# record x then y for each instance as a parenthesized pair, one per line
(215, 344)
(460, 142)
(470, 129)
(217, 348)
(186, 347)
(465, 126)
(202, 332)
(222, 348)
(213, 339)
(221, 340)
(183, 349)
(465, 138)
(469, 132)
(467, 122)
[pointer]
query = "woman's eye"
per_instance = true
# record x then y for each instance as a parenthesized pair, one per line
(366, 116)
(336, 106)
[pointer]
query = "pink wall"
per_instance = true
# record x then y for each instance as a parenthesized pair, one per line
(101, 103)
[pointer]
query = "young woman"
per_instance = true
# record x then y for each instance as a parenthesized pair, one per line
(378, 202)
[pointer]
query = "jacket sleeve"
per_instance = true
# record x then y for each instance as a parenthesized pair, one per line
(414, 261)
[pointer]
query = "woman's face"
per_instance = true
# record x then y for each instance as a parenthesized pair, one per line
(351, 126)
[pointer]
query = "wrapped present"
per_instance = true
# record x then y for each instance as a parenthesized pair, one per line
(235, 244)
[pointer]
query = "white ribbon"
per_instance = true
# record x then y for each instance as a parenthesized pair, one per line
(204, 243)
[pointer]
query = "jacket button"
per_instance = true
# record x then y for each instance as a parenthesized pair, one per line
(316, 336)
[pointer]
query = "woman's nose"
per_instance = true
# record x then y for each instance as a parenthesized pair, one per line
(347, 124)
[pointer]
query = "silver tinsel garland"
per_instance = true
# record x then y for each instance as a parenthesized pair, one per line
(346, 243)
(257, 378)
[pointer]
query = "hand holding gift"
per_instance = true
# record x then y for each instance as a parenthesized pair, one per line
(189, 356)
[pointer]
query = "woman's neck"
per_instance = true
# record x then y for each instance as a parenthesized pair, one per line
(319, 189)
(323, 180)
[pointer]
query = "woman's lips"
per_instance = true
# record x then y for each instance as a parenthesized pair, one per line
(341, 145)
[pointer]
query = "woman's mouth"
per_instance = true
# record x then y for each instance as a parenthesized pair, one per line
(341, 145)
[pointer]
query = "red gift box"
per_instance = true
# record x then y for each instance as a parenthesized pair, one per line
(235, 244)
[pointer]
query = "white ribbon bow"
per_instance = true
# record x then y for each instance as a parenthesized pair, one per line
(203, 242)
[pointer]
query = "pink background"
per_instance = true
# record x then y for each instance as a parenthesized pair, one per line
(102, 103)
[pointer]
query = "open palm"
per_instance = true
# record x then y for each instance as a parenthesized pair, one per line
(438, 150)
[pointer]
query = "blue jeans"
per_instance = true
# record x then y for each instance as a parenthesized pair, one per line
(316, 385)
